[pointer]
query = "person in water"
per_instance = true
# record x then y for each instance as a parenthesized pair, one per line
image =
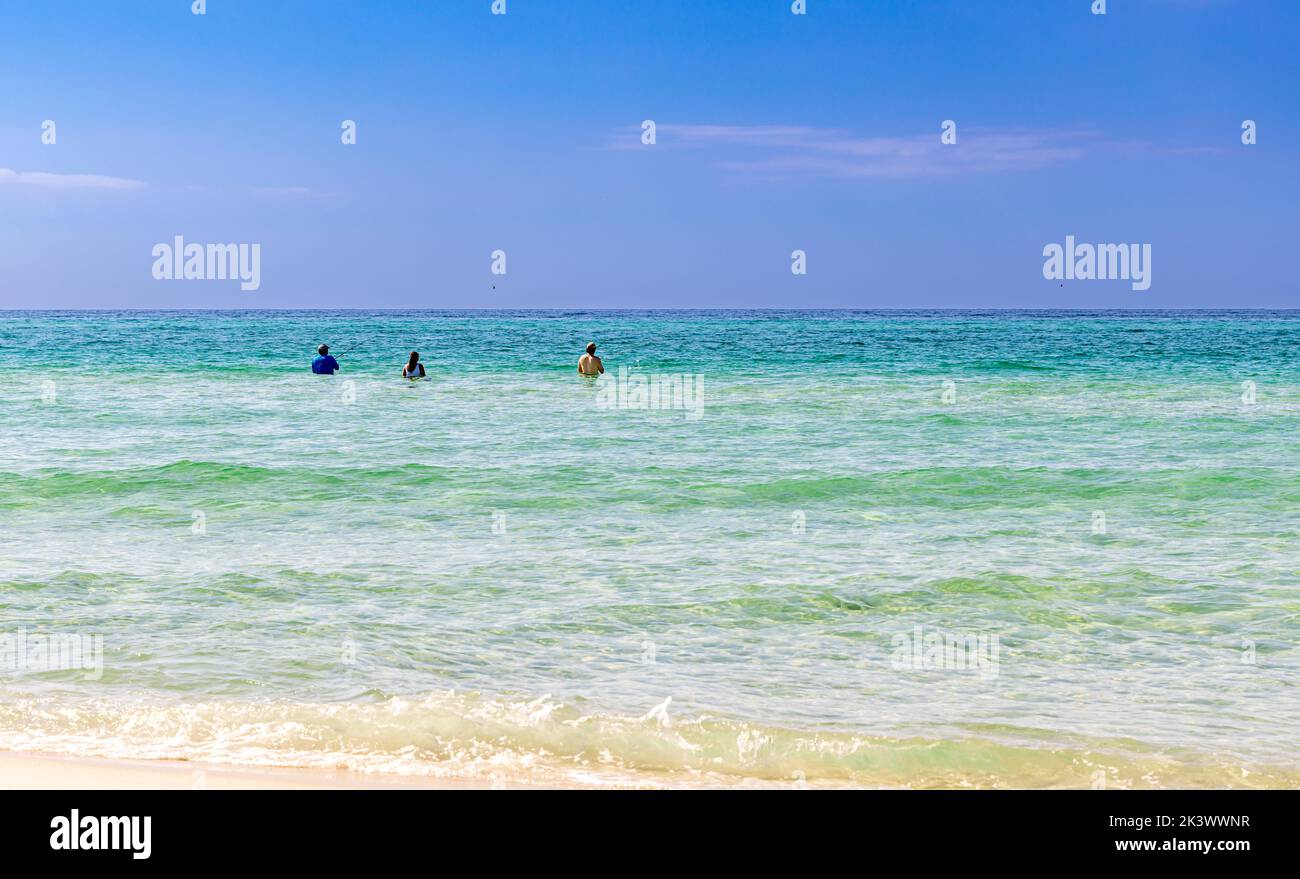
(324, 364)
(589, 363)
(414, 368)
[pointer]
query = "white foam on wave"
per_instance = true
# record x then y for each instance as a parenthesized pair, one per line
(461, 736)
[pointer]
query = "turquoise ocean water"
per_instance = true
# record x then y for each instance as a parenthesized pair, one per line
(497, 573)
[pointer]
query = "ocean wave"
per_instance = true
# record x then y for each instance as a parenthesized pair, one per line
(543, 741)
(561, 487)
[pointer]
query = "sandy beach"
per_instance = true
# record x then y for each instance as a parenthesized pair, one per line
(21, 771)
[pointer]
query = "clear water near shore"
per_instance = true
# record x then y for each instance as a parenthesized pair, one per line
(488, 574)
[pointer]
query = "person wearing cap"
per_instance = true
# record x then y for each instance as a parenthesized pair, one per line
(589, 363)
(324, 364)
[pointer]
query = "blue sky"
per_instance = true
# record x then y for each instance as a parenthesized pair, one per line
(776, 132)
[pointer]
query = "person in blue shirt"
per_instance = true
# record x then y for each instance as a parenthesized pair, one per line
(324, 364)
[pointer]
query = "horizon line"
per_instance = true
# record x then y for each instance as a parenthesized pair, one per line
(775, 309)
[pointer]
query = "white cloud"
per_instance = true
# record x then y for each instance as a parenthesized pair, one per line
(66, 181)
(789, 150)
(794, 151)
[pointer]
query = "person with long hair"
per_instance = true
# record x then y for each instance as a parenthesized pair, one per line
(413, 369)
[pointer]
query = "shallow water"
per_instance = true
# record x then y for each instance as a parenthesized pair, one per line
(494, 573)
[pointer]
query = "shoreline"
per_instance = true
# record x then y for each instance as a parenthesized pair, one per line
(40, 770)
(34, 770)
